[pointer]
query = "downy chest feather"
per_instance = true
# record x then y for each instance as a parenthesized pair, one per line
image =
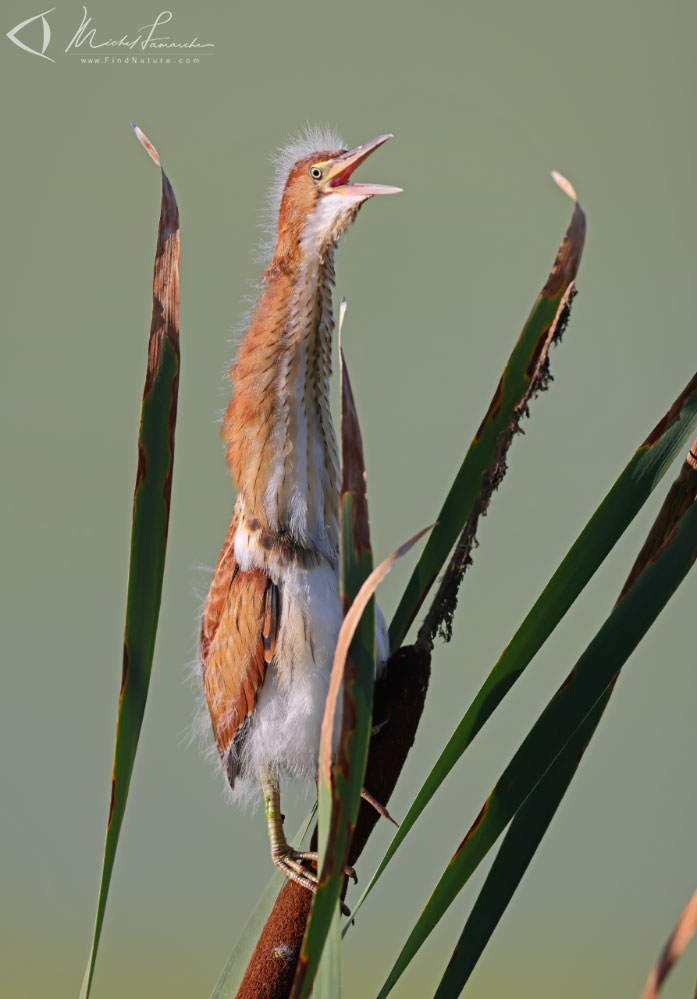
(281, 443)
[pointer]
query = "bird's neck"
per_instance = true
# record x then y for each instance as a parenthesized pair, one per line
(278, 430)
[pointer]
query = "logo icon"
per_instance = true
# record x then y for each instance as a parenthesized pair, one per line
(12, 35)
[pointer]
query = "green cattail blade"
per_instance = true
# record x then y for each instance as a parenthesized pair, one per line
(618, 509)
(352, 673)
(328, 978)
(151, 504)
(524, 376)
(519, 845)
(535, 814)
(341, 774)
(587, 684)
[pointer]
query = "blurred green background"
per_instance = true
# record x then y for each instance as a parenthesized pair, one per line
(484, 99)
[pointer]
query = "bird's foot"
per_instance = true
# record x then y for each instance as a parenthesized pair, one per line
(293, 864)
(297, 866)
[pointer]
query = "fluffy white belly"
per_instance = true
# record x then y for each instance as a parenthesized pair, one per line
(284, 729)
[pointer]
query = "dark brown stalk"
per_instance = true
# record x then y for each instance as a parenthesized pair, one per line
(399, 700)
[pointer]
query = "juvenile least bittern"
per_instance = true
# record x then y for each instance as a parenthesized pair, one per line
(273, 611)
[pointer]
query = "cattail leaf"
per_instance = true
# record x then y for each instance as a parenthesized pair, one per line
(677, 942)
(517, 849)
(535, 814)
(328, 979)
(351, 623)
(525, 375)
(151, 505)
(353, 669)
(587, 684)
(618, 509)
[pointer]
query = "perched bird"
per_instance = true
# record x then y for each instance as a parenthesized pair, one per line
(273, 612)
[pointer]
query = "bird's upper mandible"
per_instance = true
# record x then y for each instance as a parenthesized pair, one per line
(319, 200)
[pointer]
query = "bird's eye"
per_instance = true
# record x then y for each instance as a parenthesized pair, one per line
(316, 173)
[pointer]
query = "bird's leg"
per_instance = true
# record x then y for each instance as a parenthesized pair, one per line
(289, 861)
(286, 859)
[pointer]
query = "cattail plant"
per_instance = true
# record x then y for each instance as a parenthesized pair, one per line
(362, 724)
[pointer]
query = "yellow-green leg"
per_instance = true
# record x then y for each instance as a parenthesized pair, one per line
(289, 861)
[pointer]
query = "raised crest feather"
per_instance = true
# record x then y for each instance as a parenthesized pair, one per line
(309, 139)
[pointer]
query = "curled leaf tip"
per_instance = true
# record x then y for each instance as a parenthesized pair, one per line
(566, 185)
(146, 143)
(679, 939)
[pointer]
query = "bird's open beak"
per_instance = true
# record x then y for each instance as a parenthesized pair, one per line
(338, 175)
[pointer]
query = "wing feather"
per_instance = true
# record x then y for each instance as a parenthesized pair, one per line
(238, 639)
(223, 576)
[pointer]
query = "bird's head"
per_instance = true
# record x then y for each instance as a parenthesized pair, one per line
(319, 200)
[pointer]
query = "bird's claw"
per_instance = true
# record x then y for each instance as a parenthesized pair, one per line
(288, 863)
(292, 863)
